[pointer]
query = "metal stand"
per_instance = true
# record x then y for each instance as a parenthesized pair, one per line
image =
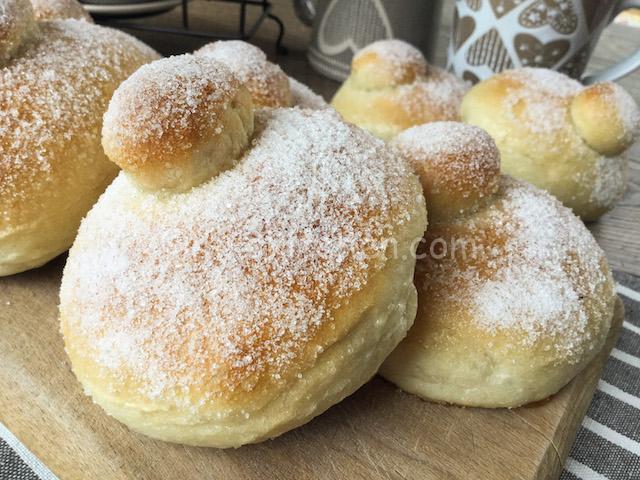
(244, 33)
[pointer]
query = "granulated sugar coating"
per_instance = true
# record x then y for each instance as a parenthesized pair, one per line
(627, 109)
(50, 94)
(535, 277)
(171, 104)
(228, 284)
(540, 101)
(611, 172)
(266, 81)
(436, 140)
(458, 166)
(420, 87)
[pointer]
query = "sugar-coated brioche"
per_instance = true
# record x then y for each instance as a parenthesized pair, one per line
(514, 294)
(59, 10)
(565, 138)
(245, 306)
(391, 88)
(54, 91)
(178, 121)
(268, 84)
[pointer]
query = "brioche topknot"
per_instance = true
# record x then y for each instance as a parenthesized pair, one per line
(388, 63)
(458, 166)
(606, 117)
(177, 122)
(268, 84)
(392, 88)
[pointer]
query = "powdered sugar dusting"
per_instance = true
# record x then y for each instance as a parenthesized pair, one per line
(53, 94)
(228, 284)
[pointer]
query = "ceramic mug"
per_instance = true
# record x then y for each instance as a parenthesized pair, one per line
(342, 27)
(494, 35)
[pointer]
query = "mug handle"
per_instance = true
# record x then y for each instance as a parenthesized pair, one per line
(624, 67)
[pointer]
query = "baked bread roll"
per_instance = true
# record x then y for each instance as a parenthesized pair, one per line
(514, 294)
(565, 138)
(238, 309)
(59, 10)
(391, 88)
(268, 84)
(56, 79)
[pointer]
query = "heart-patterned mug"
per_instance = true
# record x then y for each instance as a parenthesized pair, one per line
(342, 27)
(494, 35)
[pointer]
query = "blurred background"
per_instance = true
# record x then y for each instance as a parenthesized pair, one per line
(223, 18)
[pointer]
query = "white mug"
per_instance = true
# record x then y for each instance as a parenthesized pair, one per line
(494, 35)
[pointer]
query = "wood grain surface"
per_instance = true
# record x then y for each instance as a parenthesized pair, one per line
(379, 432)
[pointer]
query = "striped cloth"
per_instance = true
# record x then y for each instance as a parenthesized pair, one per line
(607, 445)
(608, 442)
(17, 462)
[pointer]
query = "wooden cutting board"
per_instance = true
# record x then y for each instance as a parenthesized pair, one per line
(379, 432)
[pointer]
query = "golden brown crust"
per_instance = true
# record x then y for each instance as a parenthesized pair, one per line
(597, 113)
(268, 84)
(392, 88)
(458, 166)
(388, 63)
(259, 408)
(52, 167)
(178, 121)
